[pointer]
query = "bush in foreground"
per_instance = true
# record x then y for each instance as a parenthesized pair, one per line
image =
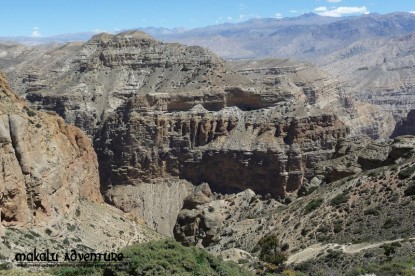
(168, 257)
(165, 257)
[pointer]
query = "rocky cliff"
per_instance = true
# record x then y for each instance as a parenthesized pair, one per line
(49, 184)
(47, 166)
(367, 206)
(161, 112)
(379, 72)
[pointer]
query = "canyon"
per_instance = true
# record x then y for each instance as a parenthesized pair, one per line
(159, 139)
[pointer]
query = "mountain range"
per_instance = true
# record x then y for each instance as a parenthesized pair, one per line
(126, 138)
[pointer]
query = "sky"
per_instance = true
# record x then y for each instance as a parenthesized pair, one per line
(44, 18)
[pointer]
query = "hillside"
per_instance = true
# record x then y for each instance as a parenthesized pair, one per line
(50, 186)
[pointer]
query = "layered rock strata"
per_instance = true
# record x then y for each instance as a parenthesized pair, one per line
(47, 166)
(364, 195)
(160, 112)
(49, 187)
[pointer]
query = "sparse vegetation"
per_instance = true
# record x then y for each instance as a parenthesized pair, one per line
(340, 199)
(385, 269)
(168, 257)
(410, 191)
(313, 205)
(270, 252)
(406, 173)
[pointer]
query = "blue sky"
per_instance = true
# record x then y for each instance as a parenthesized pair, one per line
(50, 17)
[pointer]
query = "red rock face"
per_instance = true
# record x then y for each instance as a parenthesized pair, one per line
(47, 166)
(231, 149)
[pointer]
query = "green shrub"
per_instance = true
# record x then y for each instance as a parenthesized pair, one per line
(372, 211)
(390, 223)
(30, 112)
(168, 257)
(70, 227)
(338, 227)
(313, 205)
(405, 173)
(340, 199)
(270, 251)
(410, 191)
(390, 248)
(66, 241)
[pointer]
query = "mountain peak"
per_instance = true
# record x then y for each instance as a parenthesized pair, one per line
(309, 15)
(136, 34)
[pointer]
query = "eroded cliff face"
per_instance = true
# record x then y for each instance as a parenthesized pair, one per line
(378, 72)
(162, 112)
(47, 166)
(301, 82)
(354, 198)
(50, 188)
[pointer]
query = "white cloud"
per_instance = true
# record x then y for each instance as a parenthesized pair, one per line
(242, 17)
(293, 11)
(412, 12)
(279, 15)
(320, 9)
(36, 32)
(97, 31)
(229, 18)
(334, 1)
(340, 11)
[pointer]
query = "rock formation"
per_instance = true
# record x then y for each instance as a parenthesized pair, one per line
(47, 166)
(49, 185)
(366, 205)
(161, 112)
(162, 115)
(378, 72)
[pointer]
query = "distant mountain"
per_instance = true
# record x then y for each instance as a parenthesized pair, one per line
(309, 36)
(379, 71)
(83, 36)
(62, 38)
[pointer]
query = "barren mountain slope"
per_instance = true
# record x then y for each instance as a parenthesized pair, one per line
(49, 189)
(371, 203)
(378, 72)
(162, 111)
(308, 36)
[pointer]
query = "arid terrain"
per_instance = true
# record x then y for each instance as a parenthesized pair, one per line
(125, 139)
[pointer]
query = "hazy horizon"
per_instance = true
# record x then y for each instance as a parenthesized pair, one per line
(48, 18)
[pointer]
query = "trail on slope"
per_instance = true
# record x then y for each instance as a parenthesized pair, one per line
(315, 249)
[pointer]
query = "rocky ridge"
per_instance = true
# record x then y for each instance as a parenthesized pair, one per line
(42, 156)
(160, 112)
(367, 206)
(264, 130)
(377, 71)
(49, 185)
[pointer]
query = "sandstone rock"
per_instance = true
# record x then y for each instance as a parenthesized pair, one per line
(207, 224)
(47, 165)
(160, 111)
(49, 186)
(157, 204)
(364, 156)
